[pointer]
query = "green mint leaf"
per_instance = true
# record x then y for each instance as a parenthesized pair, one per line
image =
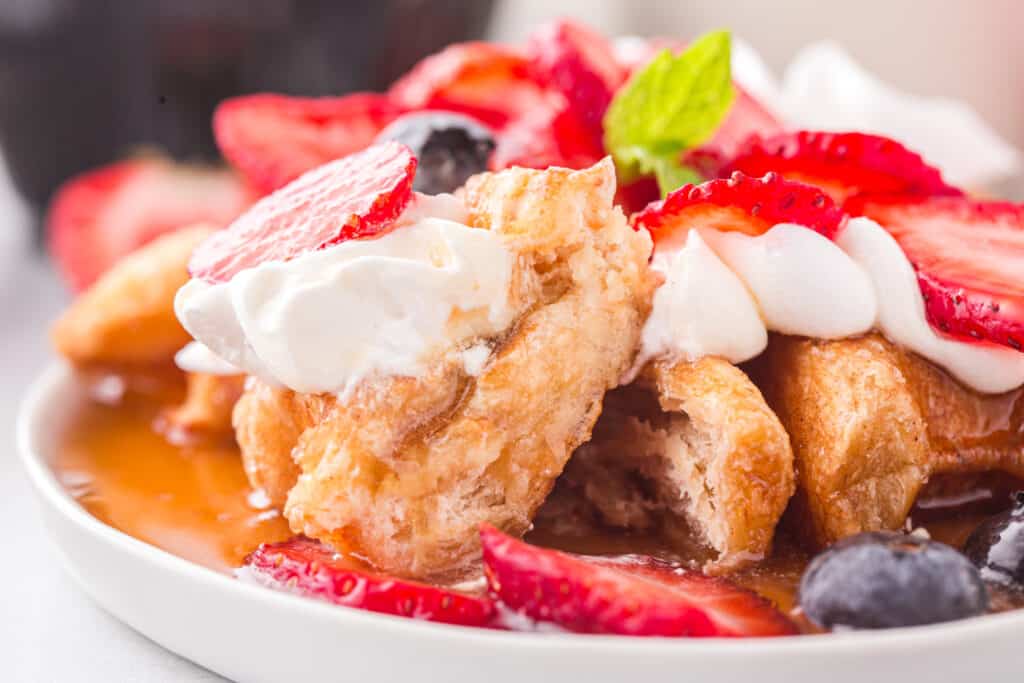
(667, 169)
(672, 175)
(674, 104)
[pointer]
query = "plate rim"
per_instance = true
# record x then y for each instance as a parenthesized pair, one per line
(43, 395)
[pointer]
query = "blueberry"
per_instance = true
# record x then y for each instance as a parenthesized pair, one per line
(450, 148)
(997, 546)
(886, 580)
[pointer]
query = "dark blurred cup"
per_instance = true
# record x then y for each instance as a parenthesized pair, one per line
(83, 81)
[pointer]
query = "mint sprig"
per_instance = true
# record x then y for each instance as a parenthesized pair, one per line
(673, 104)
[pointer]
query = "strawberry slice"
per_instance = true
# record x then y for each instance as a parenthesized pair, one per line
(636, 596)
(842, 164)
(304, 566)
(746, 117)
(273, 139)
(543, 138)
(100, 216)
(741, 203)
(489, 82)
(569, 58)
(968, 257)
(356, 196)
(636, 195)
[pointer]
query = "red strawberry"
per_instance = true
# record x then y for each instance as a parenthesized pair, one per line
(309, 568)
(634, 196)
(628, 596)
(746, 117)
(968, 257)
(274, 139)
(100, 216)
(545, 137)
(741, 203)
(356, 196)
(569, 58)
(490, 82)
(842, 164)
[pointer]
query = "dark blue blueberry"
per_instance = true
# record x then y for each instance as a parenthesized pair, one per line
(997, 546)
(886, 580)
(450, 148)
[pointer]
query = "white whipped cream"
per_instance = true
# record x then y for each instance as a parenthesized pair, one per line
(987, 368)
(197, 357)
(701, 309)
(326, 320)
(724, 291)
(823, 88)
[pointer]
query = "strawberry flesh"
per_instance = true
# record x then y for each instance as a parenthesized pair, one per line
(635, 596)
(570, 59)
(747, 117)
(543, 138)
(968, 257)
(489, 82)
(358, 196)
(309, 568)
(99, 217)
(740, 203)
(273, 139)
(842, 164)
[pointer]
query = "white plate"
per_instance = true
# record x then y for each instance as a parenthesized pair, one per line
(250, 633)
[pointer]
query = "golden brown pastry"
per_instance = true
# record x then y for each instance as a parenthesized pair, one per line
(404, 470)
(691, 447)
(126, 319)
(206, 410)
(870, 423)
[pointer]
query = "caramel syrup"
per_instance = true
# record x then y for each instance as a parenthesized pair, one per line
(193, 500)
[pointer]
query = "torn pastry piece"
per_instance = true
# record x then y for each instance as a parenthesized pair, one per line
(207, 408)
(735, 257)
(126, 318)
(688, 449)
(125, 322)
(468, 345)
(872, 422)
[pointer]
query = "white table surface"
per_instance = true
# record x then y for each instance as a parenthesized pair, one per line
(49, 629)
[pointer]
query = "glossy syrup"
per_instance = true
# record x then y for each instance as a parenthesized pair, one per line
(194, 501)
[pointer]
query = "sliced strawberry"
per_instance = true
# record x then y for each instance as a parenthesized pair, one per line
(569, 58)
(842, 164)
(741, 203)
(102, 215)
(636, 195)
(309, 568)
(356, 196)
(545, 137)
(968, 257)
(490, 82)
(273, 139)
(746, 117)
(627, 596)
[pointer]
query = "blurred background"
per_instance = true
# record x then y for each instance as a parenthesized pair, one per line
(83, 81)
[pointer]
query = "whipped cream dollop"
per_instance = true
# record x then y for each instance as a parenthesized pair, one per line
(987, 368)
(723, 292)
(824, 88)
(328, 319)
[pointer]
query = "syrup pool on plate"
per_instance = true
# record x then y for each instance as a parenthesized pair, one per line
(194, 501)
